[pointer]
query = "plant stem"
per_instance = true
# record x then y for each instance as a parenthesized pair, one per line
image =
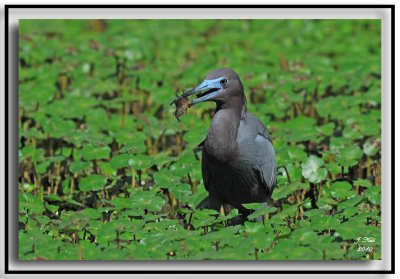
(133, 178)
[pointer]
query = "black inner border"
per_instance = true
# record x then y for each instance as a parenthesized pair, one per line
(7, 151)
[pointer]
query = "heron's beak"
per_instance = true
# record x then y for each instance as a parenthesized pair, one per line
(205, 91)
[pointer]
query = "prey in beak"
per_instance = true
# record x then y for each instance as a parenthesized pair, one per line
(206, 91)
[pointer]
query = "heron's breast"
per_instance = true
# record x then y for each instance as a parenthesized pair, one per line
(233, 182)
(220, 151)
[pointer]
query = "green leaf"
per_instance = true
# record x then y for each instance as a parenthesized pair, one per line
(42, 167)
(92, 183)
(92, 152)
(79, 166)
(140, 162)
(286, 190)
(165, 179)
(349, 156)
(147, 200)
(53, 198)
(342, 190)
(301, 128)
(326, 129)
(350, 203)
(296, 153)
(28, 187)
(304, 236)
(107, 169)
(181, 191)
(354, 229)
(122, 203)
(120, 161)
(30, 202)
(262, 211)
(373, 194)
(311, 169)
(204, 218)
(371, 147)
(324, 222)
(363, 183)
(30, 151)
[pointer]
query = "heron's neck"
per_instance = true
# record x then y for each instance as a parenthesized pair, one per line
(221, 139)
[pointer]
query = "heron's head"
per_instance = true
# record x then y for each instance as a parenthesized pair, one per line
(219, 86)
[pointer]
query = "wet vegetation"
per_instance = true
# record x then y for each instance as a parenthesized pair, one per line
(108, 173)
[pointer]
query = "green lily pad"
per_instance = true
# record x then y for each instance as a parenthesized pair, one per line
(373, 194)
(79, 166)
(147, 200)
(121, 161)
(352, 202)
(92, 152)
(140, 162)
(93, 182)
(349, 156)
(370, 147)
(311, 169)
(342, 190)
(262, 211)
(165, 179)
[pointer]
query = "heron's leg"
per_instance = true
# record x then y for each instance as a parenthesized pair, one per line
(210, 202)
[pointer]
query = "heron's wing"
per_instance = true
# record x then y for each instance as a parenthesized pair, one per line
(266, 160)
(256, 148)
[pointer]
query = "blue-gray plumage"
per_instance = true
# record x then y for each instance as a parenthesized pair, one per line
(238, 158)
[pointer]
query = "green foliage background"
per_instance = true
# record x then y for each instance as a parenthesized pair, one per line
(107, 173)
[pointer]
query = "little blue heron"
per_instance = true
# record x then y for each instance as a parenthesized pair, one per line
(238, 158)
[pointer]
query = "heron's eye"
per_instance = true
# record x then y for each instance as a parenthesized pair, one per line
(223, 81)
